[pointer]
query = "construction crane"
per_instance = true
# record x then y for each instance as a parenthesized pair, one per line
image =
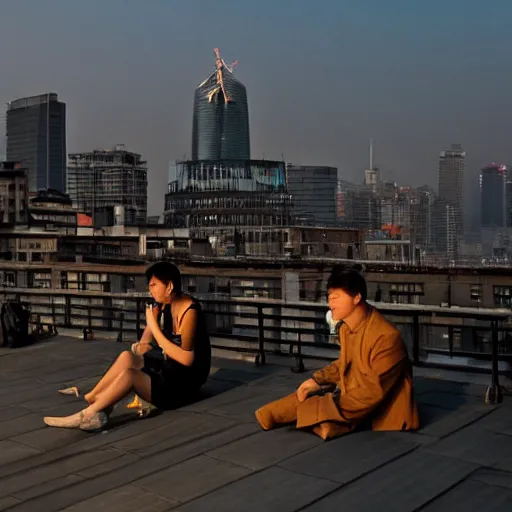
(220, 77)
(221, 65)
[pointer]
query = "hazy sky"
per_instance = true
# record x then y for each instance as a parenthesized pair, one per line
(323, 76)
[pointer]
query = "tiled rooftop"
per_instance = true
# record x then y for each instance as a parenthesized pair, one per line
(211, 455)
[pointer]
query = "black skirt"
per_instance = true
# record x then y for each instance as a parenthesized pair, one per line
(171, 386)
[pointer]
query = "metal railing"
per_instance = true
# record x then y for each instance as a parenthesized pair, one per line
(463, 338)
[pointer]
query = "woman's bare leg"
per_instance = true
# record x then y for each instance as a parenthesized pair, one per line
(126, 360)
(89, 418)
(127, 380)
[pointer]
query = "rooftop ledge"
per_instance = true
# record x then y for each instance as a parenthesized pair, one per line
(211, 455)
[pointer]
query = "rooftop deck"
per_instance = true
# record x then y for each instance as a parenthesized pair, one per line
(211, 455)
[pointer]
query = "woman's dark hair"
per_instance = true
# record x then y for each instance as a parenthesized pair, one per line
(349, 279)
(166, 272)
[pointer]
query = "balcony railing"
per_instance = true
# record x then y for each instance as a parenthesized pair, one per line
(460, 338)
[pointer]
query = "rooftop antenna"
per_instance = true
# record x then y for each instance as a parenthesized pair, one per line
(371, 154)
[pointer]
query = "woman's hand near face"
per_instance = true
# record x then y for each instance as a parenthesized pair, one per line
(152, 316)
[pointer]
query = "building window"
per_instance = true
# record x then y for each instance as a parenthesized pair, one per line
(502, 296)
(406, 293)
(9, 279)
(475, 292)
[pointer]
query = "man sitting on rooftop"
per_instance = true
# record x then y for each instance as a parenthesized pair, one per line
(369, 384)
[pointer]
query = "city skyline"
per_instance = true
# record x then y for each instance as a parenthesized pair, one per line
(321, 79)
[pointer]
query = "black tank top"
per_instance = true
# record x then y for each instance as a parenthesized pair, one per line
(198, 372)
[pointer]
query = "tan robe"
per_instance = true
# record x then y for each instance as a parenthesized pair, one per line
(374, 377)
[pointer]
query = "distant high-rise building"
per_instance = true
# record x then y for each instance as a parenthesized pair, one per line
(344, 197)
(36, 137)
(404, 203)
(387, 201)
(451, 190)
(445, 236)
(372, 178)
(110, 185)
(372, 174)
(508, 187)
(314, 192)
(220, 128)
(362, 208)
(340, 205)
(422, 218)
(493, 186)
(3, 138)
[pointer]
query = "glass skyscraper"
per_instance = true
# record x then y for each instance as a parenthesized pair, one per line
(493, 183)
(36, 137)
(313, 190)
(221, 117)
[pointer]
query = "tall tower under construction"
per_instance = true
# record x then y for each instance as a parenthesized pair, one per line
(240, 205)
(220, 128)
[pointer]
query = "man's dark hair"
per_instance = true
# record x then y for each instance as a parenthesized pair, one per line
(166, 272)
(349, 279)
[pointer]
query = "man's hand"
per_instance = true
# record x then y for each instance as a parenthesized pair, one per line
(305, 388)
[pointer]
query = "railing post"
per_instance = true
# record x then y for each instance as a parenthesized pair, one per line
(494, 393)
(121, 325)
(299, 363)
(110, 313)
(260, 357)
(53, 328)
(67, 311)
(416, 339)
(90, 335)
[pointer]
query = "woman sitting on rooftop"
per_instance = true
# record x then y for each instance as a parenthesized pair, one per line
(164, 375)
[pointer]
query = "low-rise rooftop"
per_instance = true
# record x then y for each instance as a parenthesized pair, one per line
(211, 455)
